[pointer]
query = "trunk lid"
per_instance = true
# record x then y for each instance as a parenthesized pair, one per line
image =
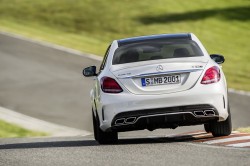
(159, 76)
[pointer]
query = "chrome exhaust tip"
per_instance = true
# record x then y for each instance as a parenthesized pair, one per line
(199, 113)
(119, 121)
(130, 120)
(209, 112)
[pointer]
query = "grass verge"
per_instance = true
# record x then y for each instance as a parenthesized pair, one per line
(11, 130)
(89, 26)
(244, 129)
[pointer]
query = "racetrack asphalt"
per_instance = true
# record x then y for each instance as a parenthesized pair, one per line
(140, 151)
(47, 83)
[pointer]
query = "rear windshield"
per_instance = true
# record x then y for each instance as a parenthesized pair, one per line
(147, 51)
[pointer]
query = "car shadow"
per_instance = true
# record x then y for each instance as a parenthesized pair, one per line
(49, 144)
(83, 143)
(240, 13)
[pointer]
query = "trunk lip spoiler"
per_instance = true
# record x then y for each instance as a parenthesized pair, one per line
(160, 73)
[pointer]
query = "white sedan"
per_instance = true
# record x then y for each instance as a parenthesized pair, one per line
(158, 81)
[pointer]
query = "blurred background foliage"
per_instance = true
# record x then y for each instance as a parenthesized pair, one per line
(90, 25)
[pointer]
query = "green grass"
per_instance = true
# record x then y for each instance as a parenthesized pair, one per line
(90, 25)
(244, 129)
(10, 130)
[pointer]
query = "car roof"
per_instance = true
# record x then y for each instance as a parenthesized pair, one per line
(151, 38)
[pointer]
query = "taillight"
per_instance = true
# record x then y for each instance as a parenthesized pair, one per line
(109, 85)
(212, 75)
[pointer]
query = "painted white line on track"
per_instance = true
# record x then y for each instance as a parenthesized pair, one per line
(34, 124)
(227, 140)
(202, 135)
(184, 134)
(244, 144)
(196, 133)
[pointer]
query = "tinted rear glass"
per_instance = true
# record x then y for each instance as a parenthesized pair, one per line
(147, 51)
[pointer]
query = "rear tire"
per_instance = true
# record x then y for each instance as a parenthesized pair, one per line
(103, 137)
(223, 128)
(207, 127)
(94, 126)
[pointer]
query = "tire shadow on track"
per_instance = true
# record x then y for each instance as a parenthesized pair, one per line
(234, 140)
(83, 143)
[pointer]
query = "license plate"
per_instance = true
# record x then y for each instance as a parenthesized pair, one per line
(163, 80)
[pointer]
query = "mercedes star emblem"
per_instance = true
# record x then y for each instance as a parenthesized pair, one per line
(159, 68)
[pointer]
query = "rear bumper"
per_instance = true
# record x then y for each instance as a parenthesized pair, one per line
(171, 117)
(165, 108)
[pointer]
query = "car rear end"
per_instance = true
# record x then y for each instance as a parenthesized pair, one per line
(162, 83)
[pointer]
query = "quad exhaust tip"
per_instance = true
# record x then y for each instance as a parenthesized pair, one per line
(199, 113)
(120, 121)
(204, 113)
(123, 121)
(130, 120)
(209, 112)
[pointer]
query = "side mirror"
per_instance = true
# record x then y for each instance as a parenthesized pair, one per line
(89, 71)
(217, 58)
